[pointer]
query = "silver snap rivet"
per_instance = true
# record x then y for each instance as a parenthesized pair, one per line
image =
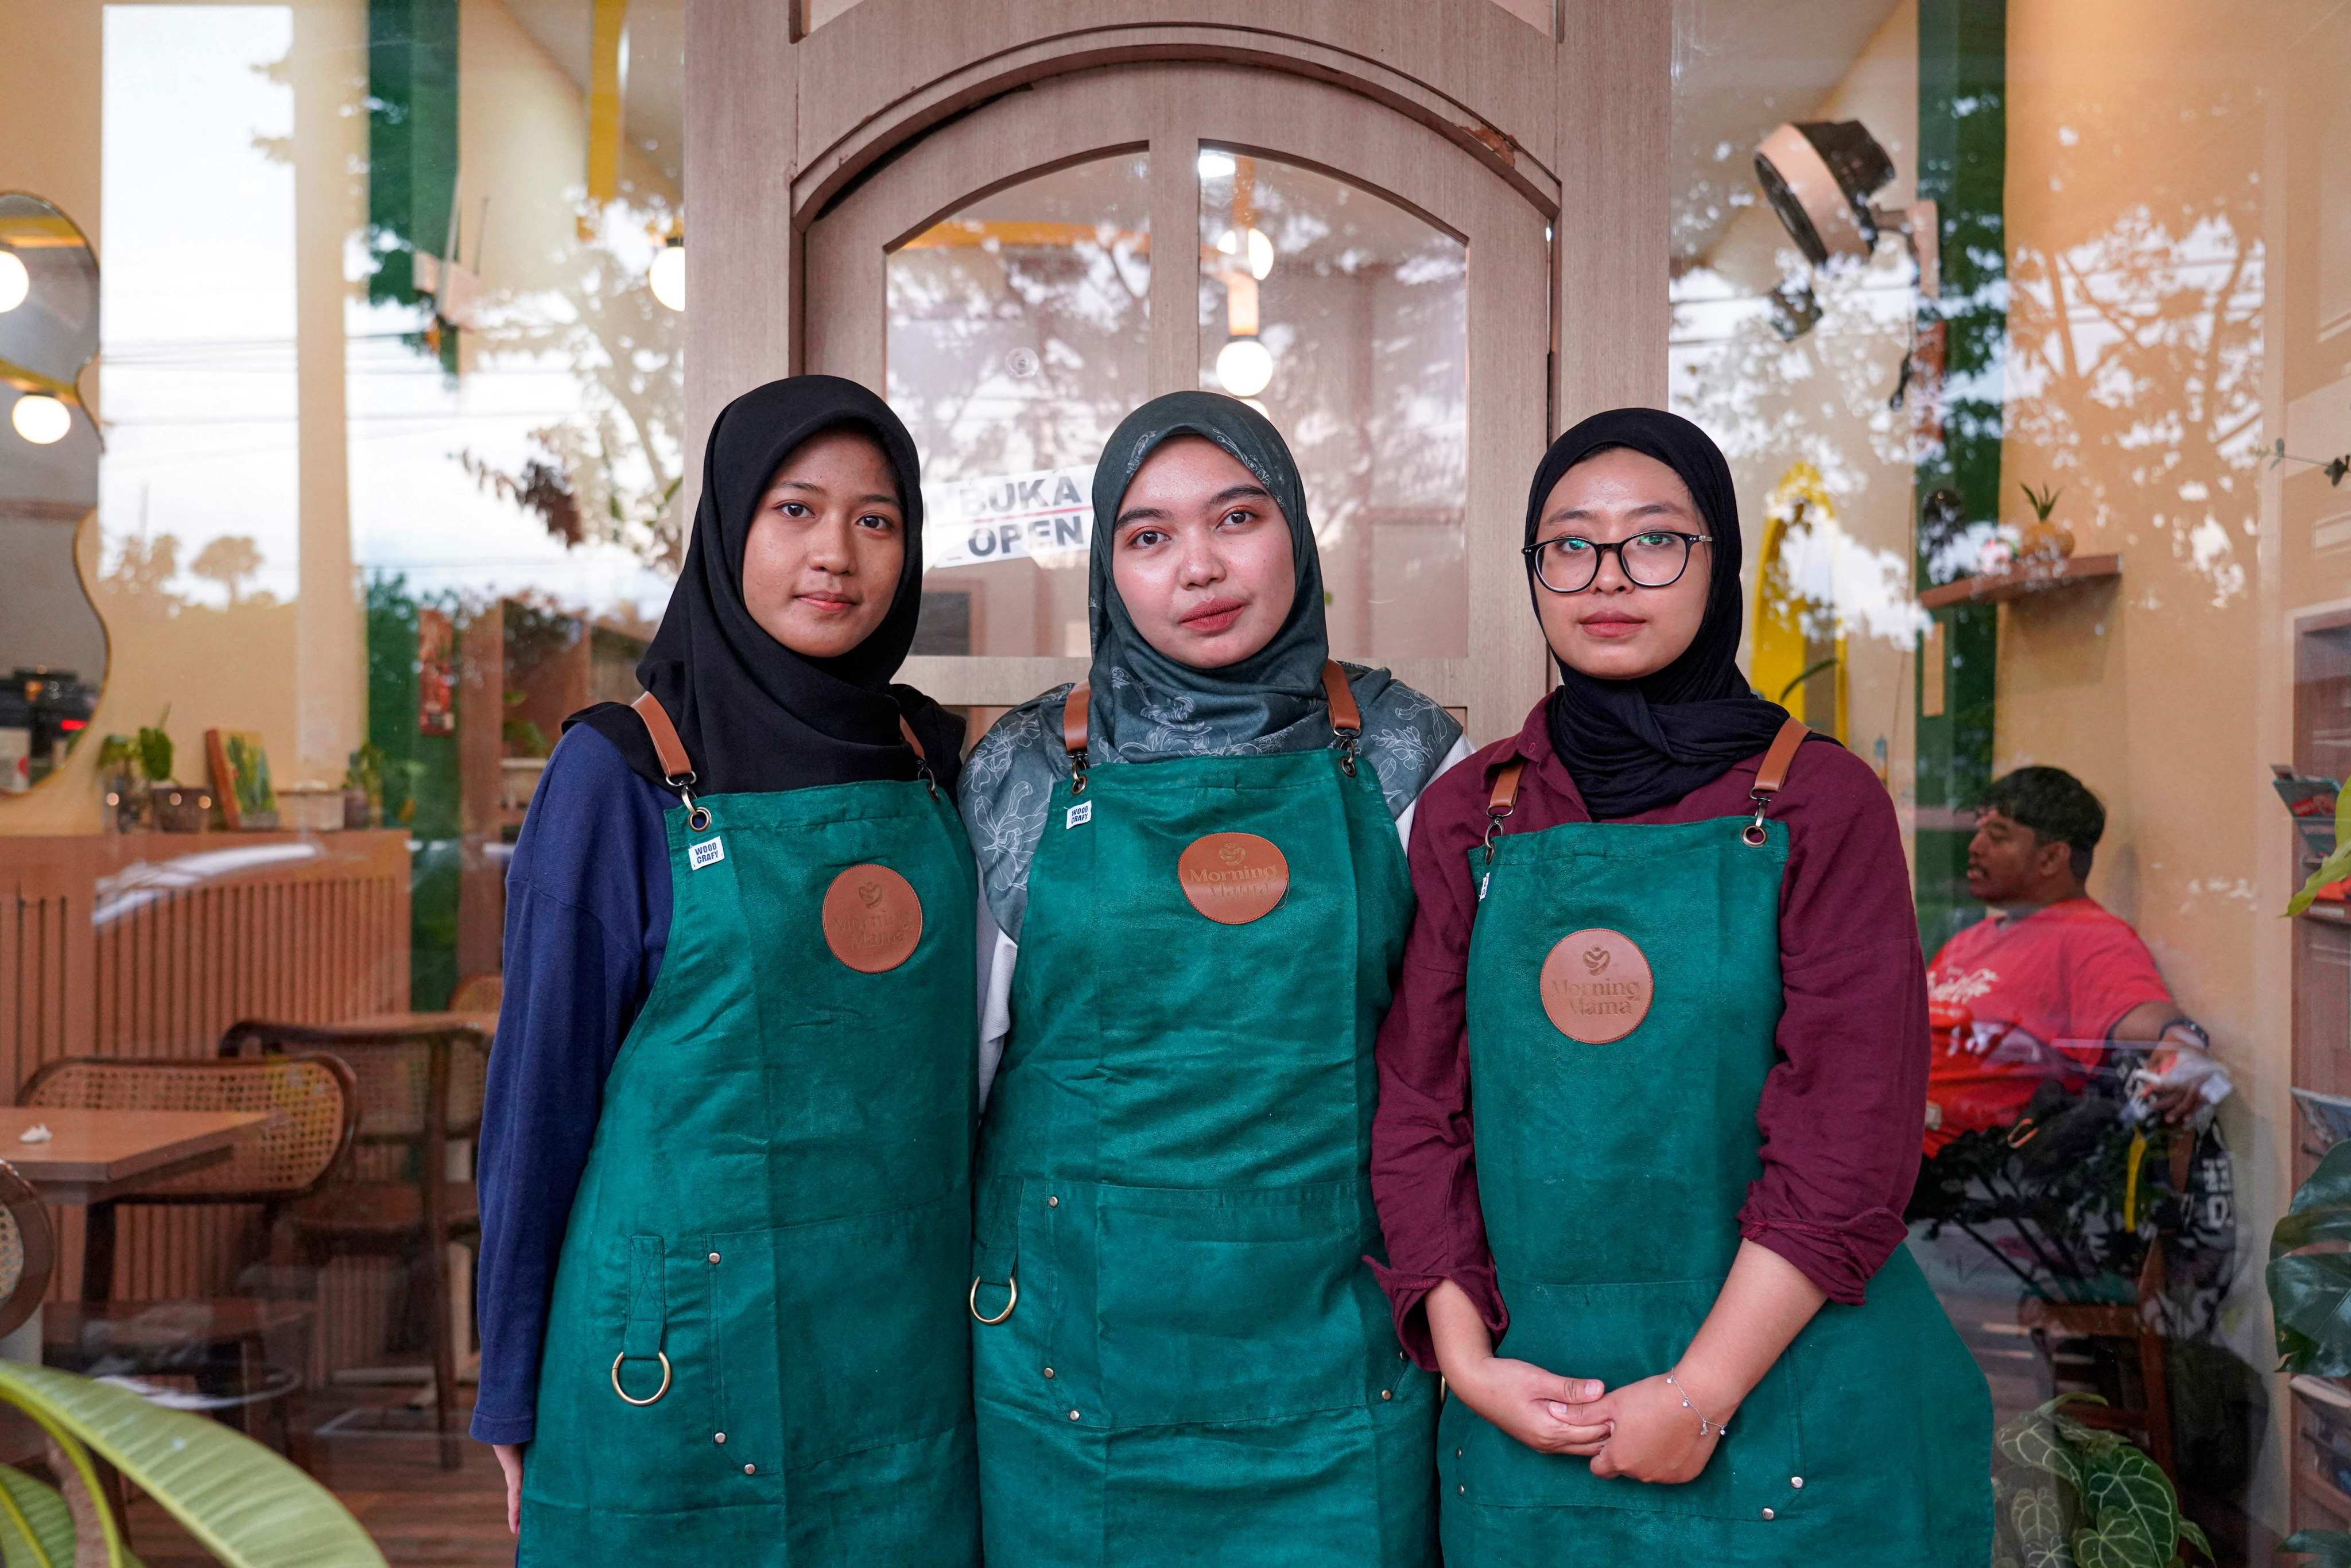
(1456, 1453)
(1053, 1202)
(714, 1257)
(1048, 1372)
(1796, 1481)
(1769, 1514)
(717, 1436)
(750, 1470)
(1462, 1491)
(1385, 1393)
(1073, 1415)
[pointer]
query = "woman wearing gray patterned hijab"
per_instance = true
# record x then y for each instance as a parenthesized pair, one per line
(1193, 859)
(1148, 707)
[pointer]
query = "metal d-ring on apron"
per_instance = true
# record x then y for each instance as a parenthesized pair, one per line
(1611, 962)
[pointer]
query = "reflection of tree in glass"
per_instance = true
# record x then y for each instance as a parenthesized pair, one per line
(620, 459)
(229, 560)
(1005, 356)
(2136, 357)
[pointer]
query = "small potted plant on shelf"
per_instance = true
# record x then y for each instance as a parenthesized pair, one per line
(122, 793)
(364, 788)
(178, 808)
(2044, 544)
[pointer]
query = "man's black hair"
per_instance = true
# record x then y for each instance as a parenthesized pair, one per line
(2057, 807)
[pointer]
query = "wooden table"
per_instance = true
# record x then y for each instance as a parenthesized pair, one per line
(95, 1156)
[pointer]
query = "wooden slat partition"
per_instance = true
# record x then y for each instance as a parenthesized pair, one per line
(152, 945)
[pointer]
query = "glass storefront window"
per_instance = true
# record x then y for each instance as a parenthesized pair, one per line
(1019, 333)
(2026, 350)
(1343, 317)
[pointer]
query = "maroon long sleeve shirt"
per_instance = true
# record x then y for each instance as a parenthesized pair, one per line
(1842, 1110)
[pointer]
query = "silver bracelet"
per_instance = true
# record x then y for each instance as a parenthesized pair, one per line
(1704, 1426)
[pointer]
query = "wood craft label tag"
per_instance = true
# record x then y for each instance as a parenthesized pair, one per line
(873, 918)
(1233, 878)
(1596, 986)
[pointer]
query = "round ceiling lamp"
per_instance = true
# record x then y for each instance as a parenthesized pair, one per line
(1819, 176)
(15, 281)
(1251, 247)
(667, 275)
(41, 419)
(1245, 366)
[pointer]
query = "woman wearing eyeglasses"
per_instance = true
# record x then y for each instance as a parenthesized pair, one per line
(1667, 953)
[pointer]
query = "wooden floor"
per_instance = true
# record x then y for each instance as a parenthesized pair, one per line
(383, 1462)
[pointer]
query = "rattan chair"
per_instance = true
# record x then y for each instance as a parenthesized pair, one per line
(421, 1088)
(311, 1104)
(28, 1249)
(478, 994)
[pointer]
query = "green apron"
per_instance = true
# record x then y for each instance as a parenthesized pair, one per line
(755, 1355)
(1198, 1367)
(1611, 1176)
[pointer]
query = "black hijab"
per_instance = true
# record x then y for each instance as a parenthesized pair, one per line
(756, 716)
(1632, 746)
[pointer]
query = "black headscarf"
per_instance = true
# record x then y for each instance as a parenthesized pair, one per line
(1631, 746)
(756, 716)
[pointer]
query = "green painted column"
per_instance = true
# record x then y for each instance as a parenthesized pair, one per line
(1962, 166)
(412, 143)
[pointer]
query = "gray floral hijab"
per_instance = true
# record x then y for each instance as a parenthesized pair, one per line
(1148, 708)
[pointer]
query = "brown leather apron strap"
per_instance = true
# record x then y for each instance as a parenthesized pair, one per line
(1774, 771)
(914, 743)
(1505, 798)
(1345, 716)
(1073, 722)
(1772, 774)
(675, 765)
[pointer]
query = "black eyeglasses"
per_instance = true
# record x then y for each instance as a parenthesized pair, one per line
(1571, 563)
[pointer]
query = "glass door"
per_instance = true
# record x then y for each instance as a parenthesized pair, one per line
(1020, 279)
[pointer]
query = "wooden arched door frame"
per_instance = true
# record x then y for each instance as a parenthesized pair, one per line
(1574, 118)
(1171, 111)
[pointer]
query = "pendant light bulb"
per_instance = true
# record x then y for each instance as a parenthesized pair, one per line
(1245, 366)
(15, 281)
(667, 275)
(1251, 246)
(41, 419)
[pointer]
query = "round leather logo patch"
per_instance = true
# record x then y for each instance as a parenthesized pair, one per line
(1233, 878)
(1596, 986)
(873, 918)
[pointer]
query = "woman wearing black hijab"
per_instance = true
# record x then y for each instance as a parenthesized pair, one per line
(1673, 948)
(724, 1175)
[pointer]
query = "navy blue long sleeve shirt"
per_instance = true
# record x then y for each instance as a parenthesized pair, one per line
(588, 912)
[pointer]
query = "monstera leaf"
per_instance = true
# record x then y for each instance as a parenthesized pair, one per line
(2310, 1293)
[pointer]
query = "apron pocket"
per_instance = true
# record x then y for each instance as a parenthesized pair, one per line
(844, 1334)
(1230, 1306)
(1620, 1334)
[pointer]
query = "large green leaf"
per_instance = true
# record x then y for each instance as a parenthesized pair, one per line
(2334, 868)
(2041, 1527)
(2193, 1534)
(2310, 1294)
(2121, 1542)
(2126, 1485)
(38, 1530)
(2032, 1441)
(243, 1503)
(2331, 1547)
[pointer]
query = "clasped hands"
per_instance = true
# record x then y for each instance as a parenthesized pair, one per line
(1640, 1430)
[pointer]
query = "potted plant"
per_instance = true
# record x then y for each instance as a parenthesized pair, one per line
(2073, 1496)
(364, 788)
(176, 807)
(2309, 1295)
(121, 792)
(2045, 543)
(244, 1504)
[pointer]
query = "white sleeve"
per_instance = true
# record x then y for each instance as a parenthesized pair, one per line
(996, 953)
(1461, 750)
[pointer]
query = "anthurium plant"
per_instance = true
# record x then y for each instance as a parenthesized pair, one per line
(2073, 1496)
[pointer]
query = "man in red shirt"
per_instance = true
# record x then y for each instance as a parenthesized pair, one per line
(2049, 982)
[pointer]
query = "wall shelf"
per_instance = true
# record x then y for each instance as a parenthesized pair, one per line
(1997, 587)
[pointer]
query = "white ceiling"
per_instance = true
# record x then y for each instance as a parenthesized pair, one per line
(651, 114)
(1742, 66)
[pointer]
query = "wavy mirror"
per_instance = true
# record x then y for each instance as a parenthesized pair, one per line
(52, 643)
